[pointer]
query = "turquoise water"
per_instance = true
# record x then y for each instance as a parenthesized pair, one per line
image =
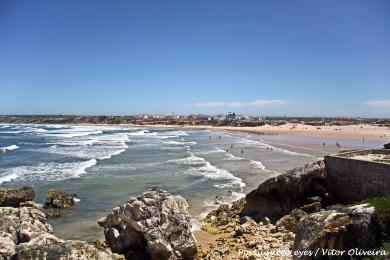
(106, 165)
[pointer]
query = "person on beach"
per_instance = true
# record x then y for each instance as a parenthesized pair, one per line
(323, 145)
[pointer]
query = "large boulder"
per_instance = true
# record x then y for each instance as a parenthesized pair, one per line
(56, 198)
(10, 197)
(155, 225)
(25, 234)
(343, 228)
(279, 195)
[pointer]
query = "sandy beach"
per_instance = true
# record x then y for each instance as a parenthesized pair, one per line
(361, 134)
(356, 132)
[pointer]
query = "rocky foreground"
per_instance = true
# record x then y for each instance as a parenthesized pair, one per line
(291, 216)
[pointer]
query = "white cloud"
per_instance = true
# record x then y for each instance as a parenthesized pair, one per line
(255, 103)
(210, 104)
(378, 103)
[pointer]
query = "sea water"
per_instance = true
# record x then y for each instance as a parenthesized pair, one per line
(106, 165)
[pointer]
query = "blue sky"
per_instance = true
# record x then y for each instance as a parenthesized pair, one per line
(304, 57)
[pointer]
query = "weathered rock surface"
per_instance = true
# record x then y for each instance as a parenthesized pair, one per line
(10, 197)
(290, 222)
(48, 246)
(279, 195)
(56, 198)
(53, 213)
(235, 235)
(341, 229)
(155, 225)
(24, 234)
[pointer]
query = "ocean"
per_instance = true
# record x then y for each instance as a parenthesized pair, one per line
(106, 165)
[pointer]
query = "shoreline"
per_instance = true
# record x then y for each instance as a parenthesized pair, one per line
(355, 132)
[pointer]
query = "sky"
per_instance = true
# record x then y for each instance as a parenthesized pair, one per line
(268, 57)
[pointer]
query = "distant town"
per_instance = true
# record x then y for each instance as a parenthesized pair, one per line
(229, 119)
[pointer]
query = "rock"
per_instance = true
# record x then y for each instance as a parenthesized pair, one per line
(23, 224)
(10, 197)
(48, 246)
(386, 146)
(30, 204)
(53, 213)
(155, 225)
(244, 219)
(314, 199)
(249, 227)
(351, 227)
(225, 216)
(279, 195)
(56, 198)
(311, 208)
(7, 245)
(290, 222)
(24, 234)
(265, 220)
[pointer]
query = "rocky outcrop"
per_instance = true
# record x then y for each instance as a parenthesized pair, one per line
(235, 235)
(56, 198)
(155, 225)
(279, 195)
(24, 234)
(10, 197)
(341, 229)
(290, 222)
(225, 217)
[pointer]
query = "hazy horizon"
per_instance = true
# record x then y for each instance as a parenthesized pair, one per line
(300, 58)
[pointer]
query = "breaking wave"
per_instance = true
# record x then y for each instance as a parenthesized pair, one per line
(49, 171)
(202, 167)
(8, 148)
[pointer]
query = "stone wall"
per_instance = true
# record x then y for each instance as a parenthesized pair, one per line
(351, 180)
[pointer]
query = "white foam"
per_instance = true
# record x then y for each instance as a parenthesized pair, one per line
(230, 156)
(100, 147)
(71, 134)
(112, 154)
(263, 145)
(8, 148)
(173, 142)
(76, 200)
(23, 129)
(206, 169)
(257, 164)
(138, 133)
(51, 171)
(9, 177)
